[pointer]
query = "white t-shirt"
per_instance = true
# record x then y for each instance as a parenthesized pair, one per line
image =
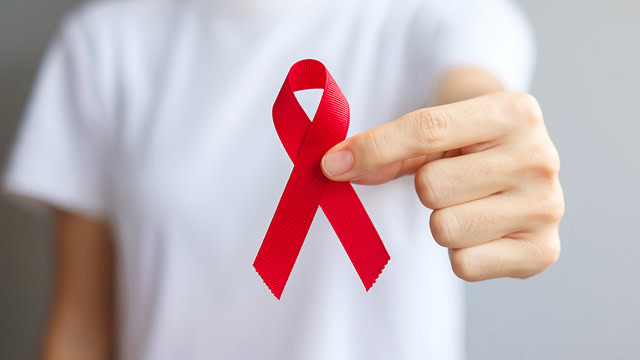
(156, 116)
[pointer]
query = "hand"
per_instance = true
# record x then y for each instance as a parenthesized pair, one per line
(487, 168)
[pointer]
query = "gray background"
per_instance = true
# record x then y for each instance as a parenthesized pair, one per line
(587, 306)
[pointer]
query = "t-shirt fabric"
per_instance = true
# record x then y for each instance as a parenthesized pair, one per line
(156, 117)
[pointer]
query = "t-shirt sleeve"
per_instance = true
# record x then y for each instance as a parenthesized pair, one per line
(58, 157)
(490, 34)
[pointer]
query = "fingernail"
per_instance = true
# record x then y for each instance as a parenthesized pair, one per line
(337, 163)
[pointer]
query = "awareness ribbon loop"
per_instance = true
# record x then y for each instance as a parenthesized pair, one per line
(307, 188)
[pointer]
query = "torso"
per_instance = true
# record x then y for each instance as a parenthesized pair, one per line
(196, 171)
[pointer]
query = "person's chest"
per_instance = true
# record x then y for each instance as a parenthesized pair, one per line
(197, 170)
(194, 133)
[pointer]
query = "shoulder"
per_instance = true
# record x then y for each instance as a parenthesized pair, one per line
(440, 10)
(115, 36)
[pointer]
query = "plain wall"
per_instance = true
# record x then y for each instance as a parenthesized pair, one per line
(587, 306)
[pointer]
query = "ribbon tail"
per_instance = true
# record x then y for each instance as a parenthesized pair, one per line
(355, 230)
(290, 225)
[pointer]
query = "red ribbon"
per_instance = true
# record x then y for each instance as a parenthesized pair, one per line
(306, 142)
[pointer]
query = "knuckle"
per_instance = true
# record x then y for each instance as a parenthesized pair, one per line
(551, 204)
(430, 186)
(462, 265)
(445, 228)
(550, 162)
(556, 204)
(544, 160)
(429, 126)
(556, 212)
(549, 252)
(525, 107)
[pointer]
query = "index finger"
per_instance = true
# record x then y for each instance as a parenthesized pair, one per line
(418, 133)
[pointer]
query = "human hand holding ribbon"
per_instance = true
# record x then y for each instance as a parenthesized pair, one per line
(307, 188)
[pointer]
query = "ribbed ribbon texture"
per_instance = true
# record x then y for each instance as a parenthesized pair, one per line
(307, 188)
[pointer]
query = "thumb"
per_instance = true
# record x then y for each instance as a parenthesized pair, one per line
(350, 159)
(371, 151)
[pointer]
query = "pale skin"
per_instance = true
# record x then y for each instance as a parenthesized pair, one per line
(486, 166)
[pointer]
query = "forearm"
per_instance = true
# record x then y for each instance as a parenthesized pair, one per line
(82, 318)
(71, 338)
